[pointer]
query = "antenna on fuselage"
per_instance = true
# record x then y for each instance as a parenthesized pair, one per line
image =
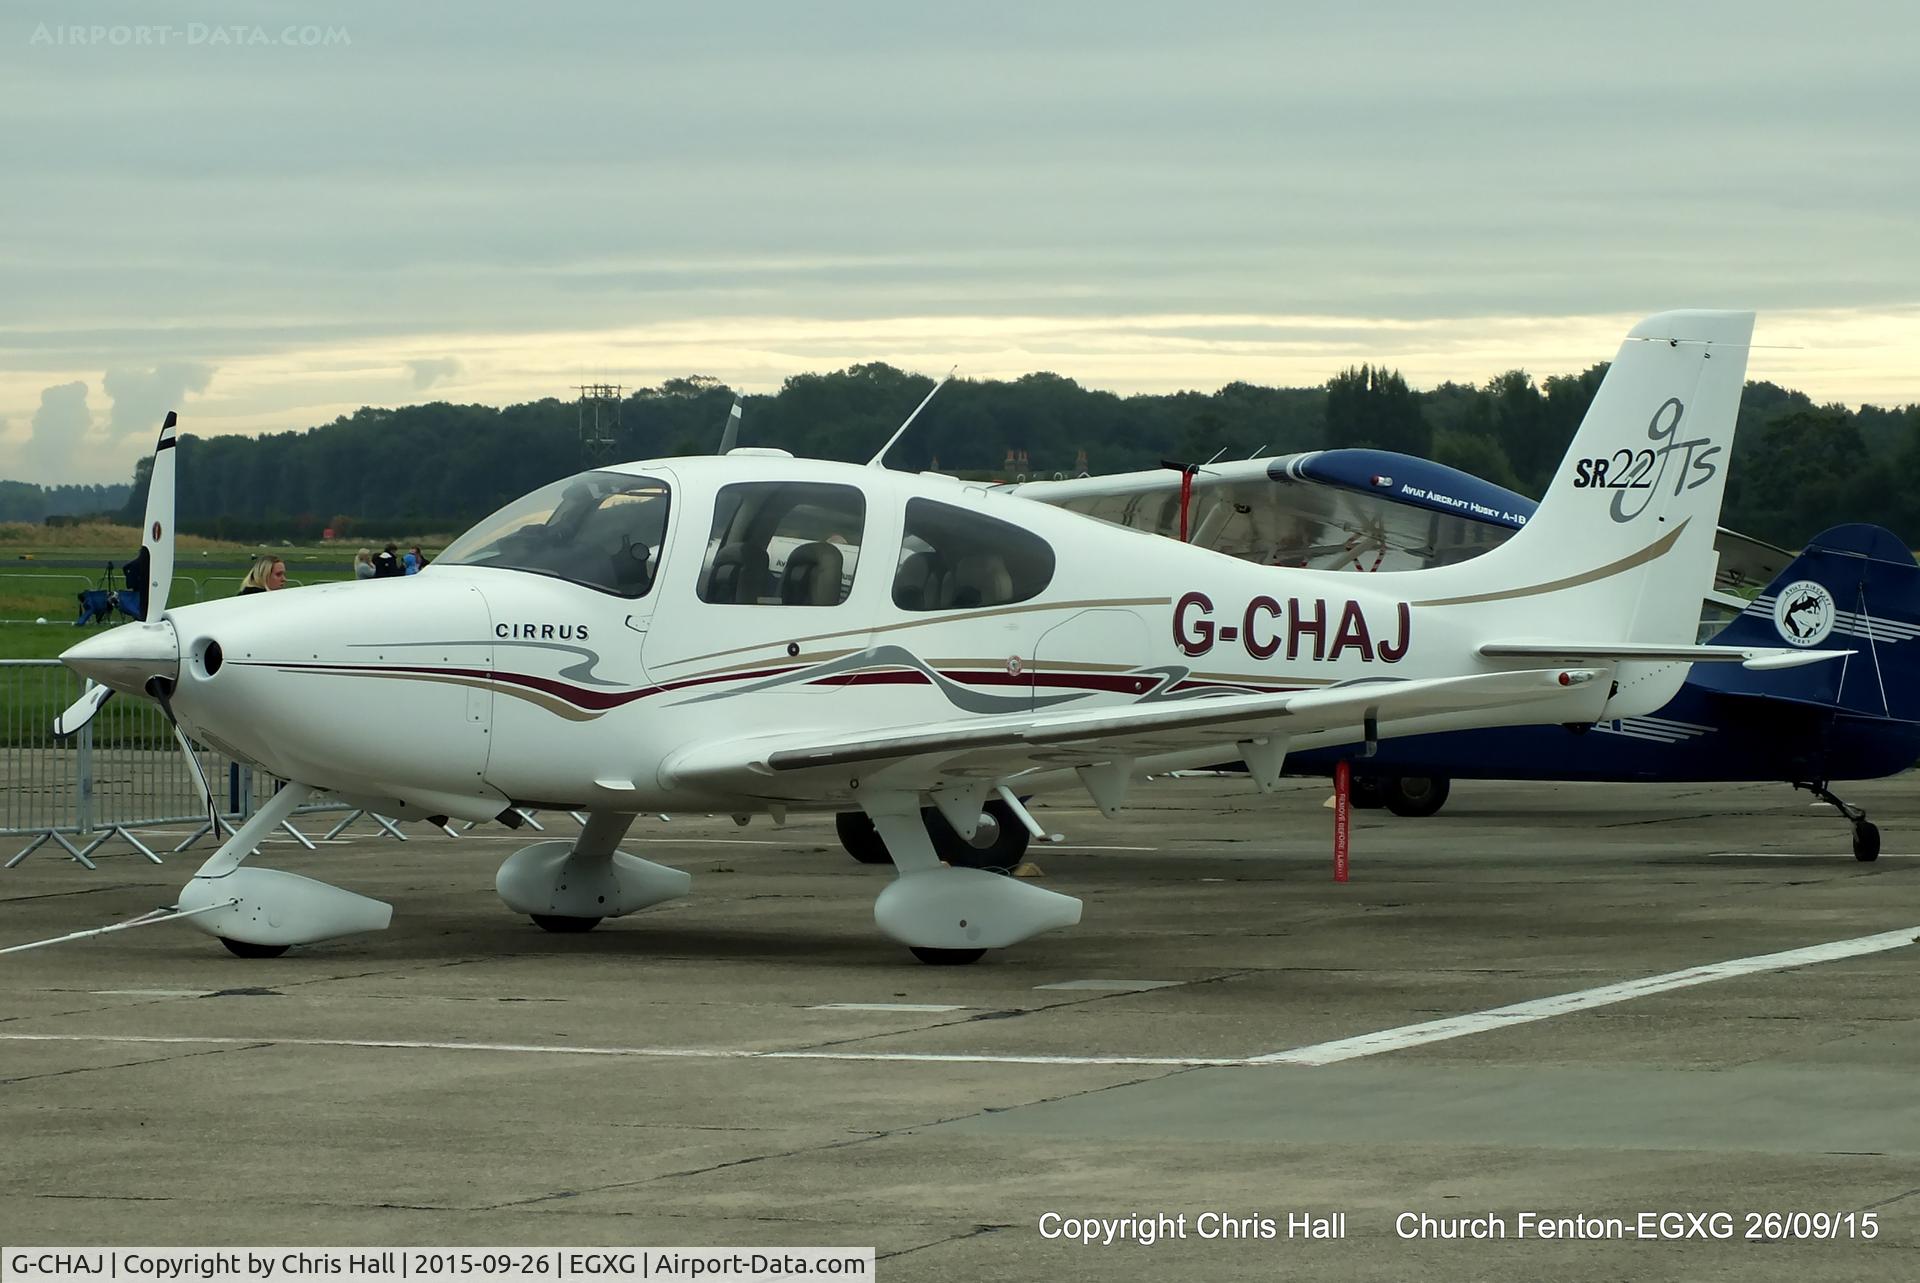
(902, 431)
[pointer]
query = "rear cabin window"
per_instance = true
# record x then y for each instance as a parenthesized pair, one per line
(956, 559)
(783, 543)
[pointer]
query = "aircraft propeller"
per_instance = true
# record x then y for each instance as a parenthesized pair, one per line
(134, 653)
(81, 711)
(143, 657)
(162, 692)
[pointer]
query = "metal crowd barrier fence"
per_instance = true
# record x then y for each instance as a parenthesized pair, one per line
(123, 775)
(120, 777)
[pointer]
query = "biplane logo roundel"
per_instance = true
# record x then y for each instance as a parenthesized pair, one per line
(1804, 613)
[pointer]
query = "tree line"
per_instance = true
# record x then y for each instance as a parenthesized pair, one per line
(25, 501)
(376, 474)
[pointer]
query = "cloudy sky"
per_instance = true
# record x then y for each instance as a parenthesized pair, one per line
(270, 214)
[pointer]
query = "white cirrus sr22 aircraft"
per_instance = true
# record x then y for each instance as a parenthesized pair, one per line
(757, 634)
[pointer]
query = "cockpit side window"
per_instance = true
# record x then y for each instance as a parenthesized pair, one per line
(956, 559)
(602, 530)
(783, 543)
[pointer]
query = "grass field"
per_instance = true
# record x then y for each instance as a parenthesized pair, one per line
(29, 593)
(33, 586)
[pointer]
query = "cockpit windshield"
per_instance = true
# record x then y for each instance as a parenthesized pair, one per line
(603, 530)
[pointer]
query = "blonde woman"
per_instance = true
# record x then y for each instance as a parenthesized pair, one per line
(268, 575)
(363, 564)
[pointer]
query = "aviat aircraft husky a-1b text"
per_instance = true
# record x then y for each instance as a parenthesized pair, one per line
(757, 634)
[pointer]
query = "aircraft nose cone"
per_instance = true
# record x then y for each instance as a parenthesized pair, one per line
(127, 657)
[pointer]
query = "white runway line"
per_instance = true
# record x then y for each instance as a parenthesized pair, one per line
(1520, 1013)
(1008, 1058)
(1800, 855)
(884, 1006)
(1325, 1053)
(1114, 986)
(656, 1053)
(397, 1044)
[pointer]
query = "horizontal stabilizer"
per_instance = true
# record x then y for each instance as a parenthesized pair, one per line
(1758, 657)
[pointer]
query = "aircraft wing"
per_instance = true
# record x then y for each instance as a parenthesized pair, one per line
(993, 749)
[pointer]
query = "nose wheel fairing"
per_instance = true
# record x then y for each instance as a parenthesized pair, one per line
(260, 912)
(275, 908)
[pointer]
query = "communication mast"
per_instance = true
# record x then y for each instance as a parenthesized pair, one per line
(599, 420)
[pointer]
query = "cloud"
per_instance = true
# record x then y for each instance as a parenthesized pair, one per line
(59, 426)
(433, 370)
(142, 397)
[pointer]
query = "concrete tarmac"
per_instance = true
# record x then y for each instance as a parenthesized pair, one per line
(757, 1066)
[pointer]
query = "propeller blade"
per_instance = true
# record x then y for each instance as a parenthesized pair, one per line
(81, 711)
(162, 691)
(199, 777)
(730, 435)
(156, 541)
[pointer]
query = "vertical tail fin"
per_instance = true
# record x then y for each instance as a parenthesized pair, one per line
(1854, 586)
(1621, 546)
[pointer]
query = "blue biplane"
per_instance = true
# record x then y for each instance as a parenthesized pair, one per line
(1854, 586)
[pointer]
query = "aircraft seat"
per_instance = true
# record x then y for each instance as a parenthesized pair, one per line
(633, 570)
(980, 579)
(812, 576)
(918, 583)
(738, 576)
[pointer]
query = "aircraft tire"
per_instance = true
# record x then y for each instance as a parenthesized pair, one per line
(560, 924)
(1866, 841)
(947, 957)
(998, 845)
(860, 838)
(248, 949)
(1415, 797)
